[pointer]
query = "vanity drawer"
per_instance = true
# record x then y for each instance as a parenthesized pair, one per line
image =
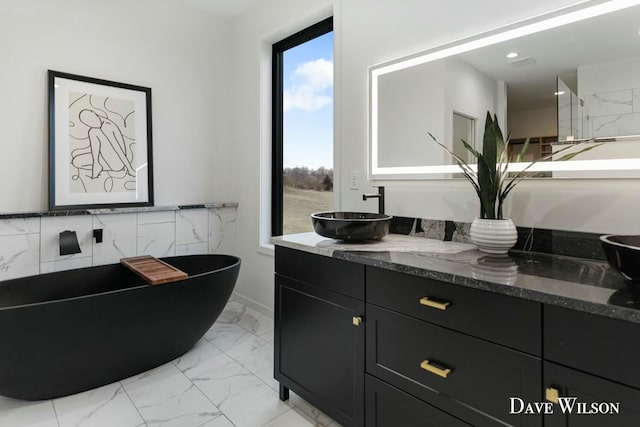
(414, 356)
(336, 275)
(594, 344)
(389, 407)
(498, 318)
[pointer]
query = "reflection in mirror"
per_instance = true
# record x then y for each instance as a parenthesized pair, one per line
(559, 86)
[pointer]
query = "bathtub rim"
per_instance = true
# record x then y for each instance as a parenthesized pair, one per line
(238, 262)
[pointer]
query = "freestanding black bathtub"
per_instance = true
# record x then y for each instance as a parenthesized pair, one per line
(71, 331)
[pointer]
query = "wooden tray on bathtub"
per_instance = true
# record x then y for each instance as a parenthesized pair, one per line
(153, 270)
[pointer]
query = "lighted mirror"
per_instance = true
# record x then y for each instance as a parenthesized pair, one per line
(565, 77)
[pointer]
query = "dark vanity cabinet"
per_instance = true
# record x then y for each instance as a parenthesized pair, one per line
(382, 348)
(593, 359)
(319, 333)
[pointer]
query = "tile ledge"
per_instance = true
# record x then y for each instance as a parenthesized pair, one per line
(39, 214)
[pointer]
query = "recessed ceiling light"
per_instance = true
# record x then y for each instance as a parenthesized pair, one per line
(561, 92)
(512, 55)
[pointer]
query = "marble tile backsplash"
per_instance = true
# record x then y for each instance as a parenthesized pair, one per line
(432, 229)
(530, 239)
(613, 113)
(29, 246)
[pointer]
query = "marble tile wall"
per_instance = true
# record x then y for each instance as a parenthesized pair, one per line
(613, 113)
(30, 246)
(19, 247)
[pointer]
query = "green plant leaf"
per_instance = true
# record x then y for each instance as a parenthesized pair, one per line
(487, 190)
(469, 148)
(500, 142)
(468, 172)
(570, 156)
(489, 147)
(523, 152)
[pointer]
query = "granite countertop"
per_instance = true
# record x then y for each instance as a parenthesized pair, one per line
(576, 283)
(102, 211)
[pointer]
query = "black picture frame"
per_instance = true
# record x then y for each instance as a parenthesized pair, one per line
(100, 143)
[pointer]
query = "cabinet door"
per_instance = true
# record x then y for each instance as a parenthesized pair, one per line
(319, 348)
(591, 343)
(587, 389)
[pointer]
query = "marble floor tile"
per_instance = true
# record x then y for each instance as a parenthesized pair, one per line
(291, 418)
(231, 310)
(225, 335)
(19, 413)
(268, 336)
(253, 321)
(240, 395)
(266, 375)
(249, 320)
(219, 422)
(105, 406)
(252, 352)
(165, 397)
(202, 358)
(310, 411)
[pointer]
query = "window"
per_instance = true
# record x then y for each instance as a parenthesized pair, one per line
(302, 140)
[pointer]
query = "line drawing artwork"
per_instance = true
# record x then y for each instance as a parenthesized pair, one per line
(101, 144)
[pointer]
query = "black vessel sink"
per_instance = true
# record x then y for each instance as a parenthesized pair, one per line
(352, 226)
(623, 254)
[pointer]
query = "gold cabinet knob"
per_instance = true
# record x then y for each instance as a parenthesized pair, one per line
(551, 395)
(357, 320)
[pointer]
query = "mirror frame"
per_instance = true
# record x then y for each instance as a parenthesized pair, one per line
(563, 16)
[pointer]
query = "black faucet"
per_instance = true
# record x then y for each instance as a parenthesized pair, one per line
(379, 196)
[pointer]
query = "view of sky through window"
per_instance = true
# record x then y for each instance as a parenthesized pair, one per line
(308, 104)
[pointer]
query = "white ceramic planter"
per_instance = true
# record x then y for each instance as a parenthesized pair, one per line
(494, 236)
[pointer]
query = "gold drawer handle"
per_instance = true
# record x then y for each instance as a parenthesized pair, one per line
(357, 320)
(551, 394)
(434, 369)
(435, 304)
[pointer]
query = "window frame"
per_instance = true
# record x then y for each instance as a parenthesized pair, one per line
(277, 132)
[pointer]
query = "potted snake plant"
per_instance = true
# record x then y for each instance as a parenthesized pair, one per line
(492, 181)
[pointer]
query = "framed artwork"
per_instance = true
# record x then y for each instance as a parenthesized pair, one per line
(99, 143)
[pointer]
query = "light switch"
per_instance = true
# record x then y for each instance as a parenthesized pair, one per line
(354, 180)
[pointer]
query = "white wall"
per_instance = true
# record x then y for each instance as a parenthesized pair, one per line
(177, 50)
(410, 104)
(470, 92)
(253, 33)
(533, 122)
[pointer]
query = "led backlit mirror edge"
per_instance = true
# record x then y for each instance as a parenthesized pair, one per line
(553, 19)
